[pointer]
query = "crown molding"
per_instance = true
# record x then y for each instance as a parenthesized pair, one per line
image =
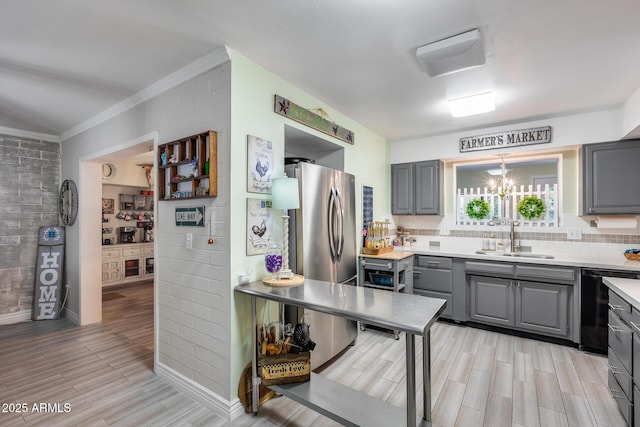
(28, 134)
(189, 71)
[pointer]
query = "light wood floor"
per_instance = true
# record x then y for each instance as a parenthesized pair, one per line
(480, 378)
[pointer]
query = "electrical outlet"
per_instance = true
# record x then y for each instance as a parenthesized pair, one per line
(189, 241)
(243, 277)
(574, 234)
(444, 231)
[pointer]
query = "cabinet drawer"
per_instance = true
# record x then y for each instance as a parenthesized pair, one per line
(111, 253)
(433, 262)
(127, 252)
(547, 273)
(489, 268)
(621, 400)
(147, 250)
(621, 374)
(620, 307)
(377, 264)
(448, 308)
(620, 340)
(432, 279)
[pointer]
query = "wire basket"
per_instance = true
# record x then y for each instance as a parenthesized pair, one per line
(381, 279)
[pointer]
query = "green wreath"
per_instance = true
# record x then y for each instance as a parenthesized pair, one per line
(477, 209)
(531, 207)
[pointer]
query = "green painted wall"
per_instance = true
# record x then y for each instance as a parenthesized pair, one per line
(252, 98)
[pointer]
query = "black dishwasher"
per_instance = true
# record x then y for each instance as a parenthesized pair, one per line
(594, 302)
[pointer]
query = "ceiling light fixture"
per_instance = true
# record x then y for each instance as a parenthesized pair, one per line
(452, 54)
(473, 104)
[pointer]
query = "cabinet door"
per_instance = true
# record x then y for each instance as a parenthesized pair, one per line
(542, 308)
(427, 188)
(402, 189)
(609, 173)
(491, 300)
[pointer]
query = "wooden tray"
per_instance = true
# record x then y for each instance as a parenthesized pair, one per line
(296, 280)
(369, 251)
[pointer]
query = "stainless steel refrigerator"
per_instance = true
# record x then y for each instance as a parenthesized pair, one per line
(322, 246)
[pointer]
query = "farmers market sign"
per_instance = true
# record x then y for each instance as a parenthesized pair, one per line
(512, 138)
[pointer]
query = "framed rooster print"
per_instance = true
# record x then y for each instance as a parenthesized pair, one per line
(259, 226)
(259, 165)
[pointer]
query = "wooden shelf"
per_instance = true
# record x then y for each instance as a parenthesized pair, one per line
(201, 147)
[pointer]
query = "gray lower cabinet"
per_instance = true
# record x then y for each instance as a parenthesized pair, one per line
(432, 277)
(415, 188)
(498, 297)
(608, 169)
(491, 300)
(624, 344)
(442, 277)
(542, 308)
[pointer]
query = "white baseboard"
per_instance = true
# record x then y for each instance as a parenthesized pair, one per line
(228, 410)
(16, 317)
(74, 317)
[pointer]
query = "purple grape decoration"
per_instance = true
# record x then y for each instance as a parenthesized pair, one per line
(273, 263)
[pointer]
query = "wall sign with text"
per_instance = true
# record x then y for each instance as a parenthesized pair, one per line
(512, 138)
(49, 269)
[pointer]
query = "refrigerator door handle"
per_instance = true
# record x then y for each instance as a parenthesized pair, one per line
(332, 243)
(340, 219)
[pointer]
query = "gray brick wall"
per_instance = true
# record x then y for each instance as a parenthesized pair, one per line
(29, 183)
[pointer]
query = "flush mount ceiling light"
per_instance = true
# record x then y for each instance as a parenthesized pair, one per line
(452, 54)
(470, 105)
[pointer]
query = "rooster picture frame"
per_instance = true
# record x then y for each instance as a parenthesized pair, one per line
(259, 225)
(259, 165)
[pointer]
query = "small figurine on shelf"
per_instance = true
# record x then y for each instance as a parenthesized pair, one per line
(173, 159)
(194, 167)
(163, 158)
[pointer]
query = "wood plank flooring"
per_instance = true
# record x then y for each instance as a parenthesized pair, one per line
(480, 378)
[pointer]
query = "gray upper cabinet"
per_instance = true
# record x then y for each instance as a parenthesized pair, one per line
(609, 173)
(402, 189)
(415, 188)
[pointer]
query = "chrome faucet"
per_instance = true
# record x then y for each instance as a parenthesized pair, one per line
(512, 237)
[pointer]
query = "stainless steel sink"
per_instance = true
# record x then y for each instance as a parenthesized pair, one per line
(516, 254)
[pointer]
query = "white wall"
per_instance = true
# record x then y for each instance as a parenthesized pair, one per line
(566, 131)
(192, 305)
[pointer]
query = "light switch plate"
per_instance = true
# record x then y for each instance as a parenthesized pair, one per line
(189, 241)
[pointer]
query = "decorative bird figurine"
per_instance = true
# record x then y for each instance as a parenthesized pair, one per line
(262, 170)
(259, 231)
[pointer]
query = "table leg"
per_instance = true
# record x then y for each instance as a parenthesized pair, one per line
(255, 380)
(411, 380)
(426, 372)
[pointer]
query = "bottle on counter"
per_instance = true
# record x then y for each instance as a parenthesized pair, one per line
(485, 242)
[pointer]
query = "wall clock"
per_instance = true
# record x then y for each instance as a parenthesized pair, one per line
(68, 202)
(108, 170)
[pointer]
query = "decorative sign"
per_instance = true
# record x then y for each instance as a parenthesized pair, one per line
(259, 225)
(513, 138)
(259, 165)
(286, 108)
(190, 217)
(49, 268)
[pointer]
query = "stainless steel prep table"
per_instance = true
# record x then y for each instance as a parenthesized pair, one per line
(412, 314)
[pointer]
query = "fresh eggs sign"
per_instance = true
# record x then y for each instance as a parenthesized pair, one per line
(46, 300)
(513, 138)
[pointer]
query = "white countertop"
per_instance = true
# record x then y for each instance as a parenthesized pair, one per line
(629, 289)
(613, 263)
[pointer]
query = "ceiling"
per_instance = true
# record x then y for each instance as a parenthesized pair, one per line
(63, 62)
